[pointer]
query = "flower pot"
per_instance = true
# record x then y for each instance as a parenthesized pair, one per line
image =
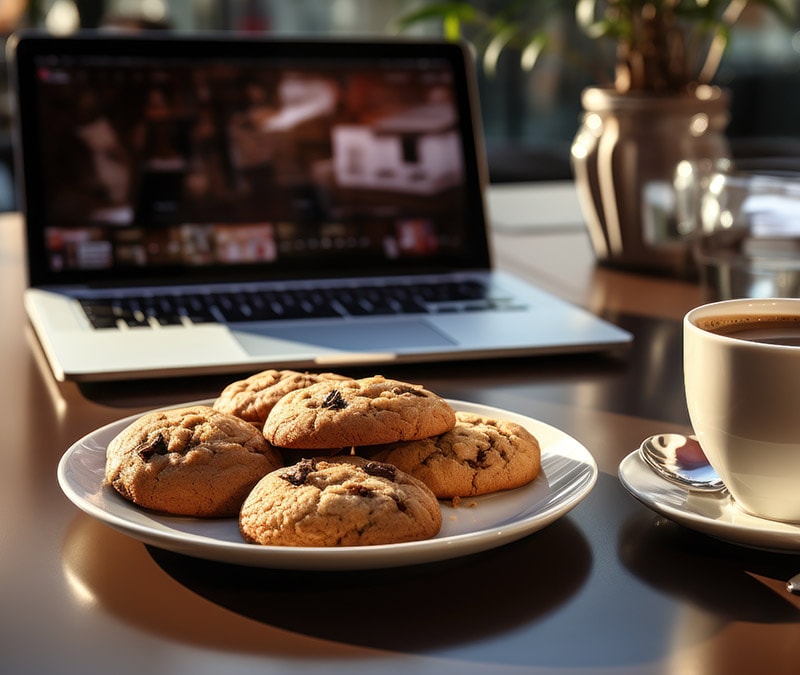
(625, 157)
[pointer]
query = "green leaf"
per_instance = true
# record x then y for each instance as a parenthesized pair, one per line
(447, 12)
(586, 13)
(496, 46)
(531, 51)
(597, 22)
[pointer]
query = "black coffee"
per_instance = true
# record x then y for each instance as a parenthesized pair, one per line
(776, 329)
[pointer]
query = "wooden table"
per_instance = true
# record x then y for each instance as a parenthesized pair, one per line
(610, 588)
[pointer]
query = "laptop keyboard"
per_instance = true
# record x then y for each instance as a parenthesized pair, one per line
(270, 305)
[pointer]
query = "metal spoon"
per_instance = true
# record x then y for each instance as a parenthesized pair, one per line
(681, 460)
(793, 585)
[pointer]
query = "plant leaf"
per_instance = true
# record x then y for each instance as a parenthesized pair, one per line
(495, 47)
(447, 12)
(597, 23)
(531, 51)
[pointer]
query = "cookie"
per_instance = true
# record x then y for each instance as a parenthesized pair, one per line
(346, 501)
(352, 413)
(190, 461)
(479, 455)
(252, 398)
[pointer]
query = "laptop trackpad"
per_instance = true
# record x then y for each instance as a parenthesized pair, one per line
(367, 336)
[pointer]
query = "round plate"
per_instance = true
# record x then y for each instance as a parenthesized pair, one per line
(714, 514)
(568, 474)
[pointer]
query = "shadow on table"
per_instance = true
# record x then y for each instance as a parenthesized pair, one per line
(411, 609)
(715, 576)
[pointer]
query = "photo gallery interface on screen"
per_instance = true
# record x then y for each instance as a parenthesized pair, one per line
(236, 163)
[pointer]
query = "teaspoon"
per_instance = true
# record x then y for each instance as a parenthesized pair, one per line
(793, 585)
(681, 460)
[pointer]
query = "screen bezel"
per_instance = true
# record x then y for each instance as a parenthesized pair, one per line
(26, 49)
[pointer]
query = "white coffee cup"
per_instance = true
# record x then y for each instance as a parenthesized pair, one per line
(743, 396)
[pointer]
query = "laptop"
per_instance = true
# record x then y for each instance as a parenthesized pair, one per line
(222, 204)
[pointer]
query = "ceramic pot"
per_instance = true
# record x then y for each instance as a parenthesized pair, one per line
(625, 158)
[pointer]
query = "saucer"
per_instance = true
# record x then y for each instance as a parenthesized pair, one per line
(714, 514)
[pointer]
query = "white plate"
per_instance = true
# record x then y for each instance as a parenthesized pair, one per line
(714, 514)
(568, 474)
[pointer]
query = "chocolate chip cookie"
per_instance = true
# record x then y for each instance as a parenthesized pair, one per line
(190, 461)
(254, 397)
(479, 455)
(343, 501)
(353, 413)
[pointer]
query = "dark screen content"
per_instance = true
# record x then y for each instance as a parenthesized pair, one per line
(192, 165)
(778, 329)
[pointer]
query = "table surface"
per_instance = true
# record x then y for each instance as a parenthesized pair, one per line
(609, 588)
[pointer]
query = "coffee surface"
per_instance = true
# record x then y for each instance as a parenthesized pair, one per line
(777, 329)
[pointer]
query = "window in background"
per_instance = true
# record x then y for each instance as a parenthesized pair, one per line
(529, 117)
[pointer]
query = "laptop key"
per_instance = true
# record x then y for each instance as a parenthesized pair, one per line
(195, 309)
(365, 301)
(100, 314)
(228, 308)
(305, 305)
(407, 302)
(162, 310)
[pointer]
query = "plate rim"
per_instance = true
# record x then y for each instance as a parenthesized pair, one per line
(341, 558)
(783, 540)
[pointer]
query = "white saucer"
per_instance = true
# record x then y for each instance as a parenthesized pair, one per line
(714, 514)
(567, 476)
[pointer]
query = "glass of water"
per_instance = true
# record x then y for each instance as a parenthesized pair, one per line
(746, 243)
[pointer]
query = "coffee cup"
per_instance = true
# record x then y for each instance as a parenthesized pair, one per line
(742, 382)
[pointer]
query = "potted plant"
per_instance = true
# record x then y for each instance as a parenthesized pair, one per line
(654, 115)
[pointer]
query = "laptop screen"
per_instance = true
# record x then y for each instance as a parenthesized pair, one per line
(150, 157)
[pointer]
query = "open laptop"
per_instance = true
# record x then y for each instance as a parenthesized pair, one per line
(213, 204)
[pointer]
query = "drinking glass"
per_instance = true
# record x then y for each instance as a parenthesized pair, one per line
(746, 242)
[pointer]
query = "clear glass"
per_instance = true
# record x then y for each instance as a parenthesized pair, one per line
(747, 244)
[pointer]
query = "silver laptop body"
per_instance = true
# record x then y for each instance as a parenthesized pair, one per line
(213, 204)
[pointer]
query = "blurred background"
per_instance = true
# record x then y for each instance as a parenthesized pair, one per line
(529, 117)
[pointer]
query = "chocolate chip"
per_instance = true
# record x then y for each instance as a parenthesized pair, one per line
(153, 446)
(480, 460)
(297, 474)
(334, 400)
(381, 470)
